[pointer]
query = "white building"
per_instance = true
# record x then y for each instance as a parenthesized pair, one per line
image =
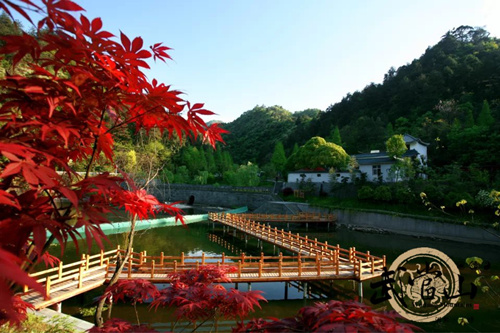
(377, 165)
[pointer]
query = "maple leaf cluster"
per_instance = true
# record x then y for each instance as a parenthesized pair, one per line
(81, 84)
(333, 316)
(195, 294)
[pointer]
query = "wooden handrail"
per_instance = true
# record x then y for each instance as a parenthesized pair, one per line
(75, 270)
(286, 238)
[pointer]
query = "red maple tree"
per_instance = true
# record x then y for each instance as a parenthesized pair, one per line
(79, 85)
(196, 295)
(332, 316)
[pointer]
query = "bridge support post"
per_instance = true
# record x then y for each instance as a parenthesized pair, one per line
(249, 286)
(236, 285)
(57, 307)
(360, 291)
(305, 287)
(286, 291)
(307, 226)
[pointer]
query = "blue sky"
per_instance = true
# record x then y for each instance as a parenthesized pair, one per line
(235, 54)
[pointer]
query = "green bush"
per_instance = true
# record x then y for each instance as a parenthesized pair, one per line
(365, 193)
(404, 195)
(452, 198)
(383, 193)
(485, 199)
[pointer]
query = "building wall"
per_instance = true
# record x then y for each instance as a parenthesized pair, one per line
(384, 168)
(421, 149)
(318, 177)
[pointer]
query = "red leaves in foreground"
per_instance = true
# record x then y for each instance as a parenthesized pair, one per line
(12, 307)
(334, 316)
(134, 291)
(75, 86)
(195, 294)
(196, 297)
(16, 313)
(118, 325)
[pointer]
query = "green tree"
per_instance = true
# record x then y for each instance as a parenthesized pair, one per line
(469, 119)
(389, 130)
(485, 117)
(245, 175)
(278, 159)
(335, 136)
(396, 146)
(318, 153)
(182, 175)
(211, 166)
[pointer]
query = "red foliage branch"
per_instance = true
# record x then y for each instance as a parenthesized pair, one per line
(196, 296)
(82, 83)
(116, 325)
(334, 316)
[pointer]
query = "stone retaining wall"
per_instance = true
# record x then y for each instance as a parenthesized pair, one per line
(225, 196)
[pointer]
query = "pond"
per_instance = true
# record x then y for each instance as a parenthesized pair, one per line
(284, 300)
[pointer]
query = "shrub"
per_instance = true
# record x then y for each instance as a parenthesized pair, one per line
(365, 193)
(485, 199)
(383, 193)
(404, 195)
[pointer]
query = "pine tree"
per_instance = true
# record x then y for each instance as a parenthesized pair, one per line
(335, 136)
(485, 118)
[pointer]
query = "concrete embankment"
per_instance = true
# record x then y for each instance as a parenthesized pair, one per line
(209, 195)
(53, 317)
(398, 224)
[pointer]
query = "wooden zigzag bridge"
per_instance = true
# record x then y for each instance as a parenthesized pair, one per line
(301, 217)
(313, 261)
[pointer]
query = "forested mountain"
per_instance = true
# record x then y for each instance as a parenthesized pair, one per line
(449, 97)
(462, 69)
(254, 134)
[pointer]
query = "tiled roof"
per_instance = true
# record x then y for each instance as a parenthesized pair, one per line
(381, 158)
(409, 139)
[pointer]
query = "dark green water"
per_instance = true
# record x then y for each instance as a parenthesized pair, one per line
(195, 239)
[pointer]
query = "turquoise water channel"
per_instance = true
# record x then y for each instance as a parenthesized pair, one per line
(284, 300)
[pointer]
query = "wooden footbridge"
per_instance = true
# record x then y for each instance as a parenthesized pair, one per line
(368, 263)
(301, 217)
(313, 261)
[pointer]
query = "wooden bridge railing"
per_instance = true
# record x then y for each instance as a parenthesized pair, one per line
(262, 266)
(299, 244)
(302, 216)
(76, 271)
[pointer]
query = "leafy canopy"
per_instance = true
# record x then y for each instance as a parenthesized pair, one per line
(396, 146)
(318, 153)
